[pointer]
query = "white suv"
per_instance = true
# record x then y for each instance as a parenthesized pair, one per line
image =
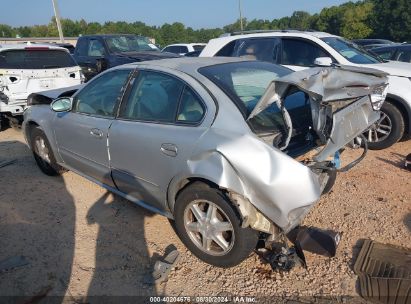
(29, 68)
(299, 50)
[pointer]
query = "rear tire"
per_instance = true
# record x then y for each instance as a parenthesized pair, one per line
(43, 154)
(218, 238)
(388, 130)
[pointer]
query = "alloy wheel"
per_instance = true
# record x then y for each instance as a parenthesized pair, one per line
(209, 227)
(42, 149)
(380, 130)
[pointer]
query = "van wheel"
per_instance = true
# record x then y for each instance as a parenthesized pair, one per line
(210, 226)
(43, 154)
(387, 130)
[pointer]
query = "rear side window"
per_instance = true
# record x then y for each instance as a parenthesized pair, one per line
(301, 53)
(227, 50)
(36, 59)
(266, 49)
(81, 47)
(154, 97)
(191, 109)
(161, 98)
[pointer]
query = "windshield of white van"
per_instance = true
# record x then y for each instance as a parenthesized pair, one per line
(35, 59)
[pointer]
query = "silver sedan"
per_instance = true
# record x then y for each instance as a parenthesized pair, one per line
(233, 151)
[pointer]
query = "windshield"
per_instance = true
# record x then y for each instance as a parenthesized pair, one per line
(119, 44)
(350, 51)
(245, 82)
(32, 58)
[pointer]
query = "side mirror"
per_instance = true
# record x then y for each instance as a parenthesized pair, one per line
(63, 104)
(323, 61)
(101, 65)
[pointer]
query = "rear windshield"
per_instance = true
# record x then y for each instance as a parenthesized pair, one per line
(35, 59)
(245, 82)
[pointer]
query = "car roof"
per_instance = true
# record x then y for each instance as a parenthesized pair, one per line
(292, 33)
(186, 44)
(109, 35)
(188, 65)
(22, 46)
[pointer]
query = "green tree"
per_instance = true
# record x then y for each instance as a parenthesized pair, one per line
(355, 22)
(392, 19)
(300, 20)
(6, 31)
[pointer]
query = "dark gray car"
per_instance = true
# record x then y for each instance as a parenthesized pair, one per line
(234, 151)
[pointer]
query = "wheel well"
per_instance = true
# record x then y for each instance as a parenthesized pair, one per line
(29, 127)
(405, 113)
(186, 183)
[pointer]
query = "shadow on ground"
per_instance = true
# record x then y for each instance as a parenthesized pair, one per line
(38, 221)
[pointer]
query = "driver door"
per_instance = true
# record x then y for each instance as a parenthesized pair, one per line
(81, 134)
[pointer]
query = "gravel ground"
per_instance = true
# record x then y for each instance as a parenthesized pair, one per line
(81, 241)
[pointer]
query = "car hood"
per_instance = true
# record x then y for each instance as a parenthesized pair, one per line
(46, 97)
(146, 55)
(393, 68)
(323, 84)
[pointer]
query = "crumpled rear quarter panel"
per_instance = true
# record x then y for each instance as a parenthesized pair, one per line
(272, 181)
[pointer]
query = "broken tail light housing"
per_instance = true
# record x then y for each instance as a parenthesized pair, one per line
(378, 96)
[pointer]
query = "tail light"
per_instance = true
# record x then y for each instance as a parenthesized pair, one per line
(378, 96)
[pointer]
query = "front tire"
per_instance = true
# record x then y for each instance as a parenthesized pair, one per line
(210, 226)
(388, 130)
(43, 154)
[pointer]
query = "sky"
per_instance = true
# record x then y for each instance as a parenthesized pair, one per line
(193, 13)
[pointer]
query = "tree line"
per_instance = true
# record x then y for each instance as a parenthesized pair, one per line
(389, 19)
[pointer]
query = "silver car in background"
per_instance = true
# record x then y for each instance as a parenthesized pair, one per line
(233, 151)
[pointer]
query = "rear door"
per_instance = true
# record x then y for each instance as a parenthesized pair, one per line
(154, 135)
(82, 134)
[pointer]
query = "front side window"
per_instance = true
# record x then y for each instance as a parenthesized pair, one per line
(264, 49)
(300, 53)
(384, 54)
(154, 97)
(95, 48)
(350, 51)
(101, 95)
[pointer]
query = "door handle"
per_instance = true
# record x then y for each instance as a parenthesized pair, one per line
(96, 133)
(169, 149)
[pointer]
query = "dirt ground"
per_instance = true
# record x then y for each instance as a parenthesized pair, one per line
(80, 241)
